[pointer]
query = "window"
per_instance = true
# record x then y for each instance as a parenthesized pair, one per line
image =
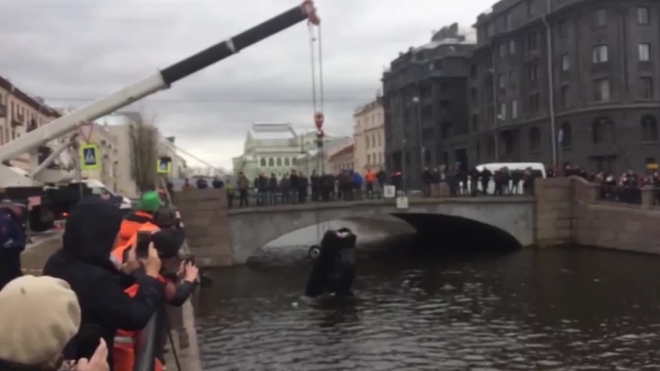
(649, 129)
(501, 81)
(512, 47)
(602, 131)
(368, 159)
(565, 63)
(643, 15)
(502, 50)
(563, 29)
(534, 139)
(262, 163)
(566, 137)
(271, 162)
(490, 30)
(502, 111)
(533, 72)
(509, 21)
(475, 123)
(565, 96)
(602, 90)
(644, 52)
(513, 78)
(646, 87)
(530, 8)
(474, 94)
(532, 41)
(600, 18)
(535, 103)
(286, 162)
(514, 109)
(600, 54)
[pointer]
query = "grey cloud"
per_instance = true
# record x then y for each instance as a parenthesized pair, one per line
(68, 49)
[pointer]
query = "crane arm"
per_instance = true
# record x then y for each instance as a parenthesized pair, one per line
(158, 81)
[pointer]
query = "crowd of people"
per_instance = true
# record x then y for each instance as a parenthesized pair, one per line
(97, 292)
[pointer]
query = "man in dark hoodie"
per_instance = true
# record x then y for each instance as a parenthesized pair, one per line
(84, 263)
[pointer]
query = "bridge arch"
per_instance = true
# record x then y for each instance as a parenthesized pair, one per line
(253, 228)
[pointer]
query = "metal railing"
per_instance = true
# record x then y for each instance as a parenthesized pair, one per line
(626, 195)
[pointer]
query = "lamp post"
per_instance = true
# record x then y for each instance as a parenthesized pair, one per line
(417, 102)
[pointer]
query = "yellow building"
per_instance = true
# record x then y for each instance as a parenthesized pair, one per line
(20, 113)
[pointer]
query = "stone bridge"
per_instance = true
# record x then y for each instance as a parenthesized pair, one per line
(221, 237)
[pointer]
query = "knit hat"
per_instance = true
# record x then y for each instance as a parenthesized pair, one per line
(150, 201)
(38, 317)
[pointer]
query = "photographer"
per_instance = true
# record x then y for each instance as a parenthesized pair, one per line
(178, 288)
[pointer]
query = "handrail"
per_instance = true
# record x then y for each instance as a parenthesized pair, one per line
(146, 345)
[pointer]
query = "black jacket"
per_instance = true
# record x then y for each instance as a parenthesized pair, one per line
(84, 262)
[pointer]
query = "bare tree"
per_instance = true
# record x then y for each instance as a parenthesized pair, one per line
(145, 147)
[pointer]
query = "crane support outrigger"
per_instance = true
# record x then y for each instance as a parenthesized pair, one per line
(161, 80)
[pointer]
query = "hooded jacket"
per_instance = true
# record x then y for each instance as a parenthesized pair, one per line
(84, 262)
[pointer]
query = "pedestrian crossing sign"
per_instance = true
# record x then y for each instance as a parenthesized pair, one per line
(89, 157)
(164, 165)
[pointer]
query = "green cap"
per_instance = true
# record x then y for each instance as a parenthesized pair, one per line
(150, 201)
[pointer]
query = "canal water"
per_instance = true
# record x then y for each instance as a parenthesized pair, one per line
(419, 308)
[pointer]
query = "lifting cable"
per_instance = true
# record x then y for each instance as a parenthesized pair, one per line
(318, 101)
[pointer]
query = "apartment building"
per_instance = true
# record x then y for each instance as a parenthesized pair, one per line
(567, 80)
(369, 136)
(425, 105)
(19, 114)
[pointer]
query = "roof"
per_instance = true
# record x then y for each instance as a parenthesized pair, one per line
(271, 131)
(32, 102)
(348, 150)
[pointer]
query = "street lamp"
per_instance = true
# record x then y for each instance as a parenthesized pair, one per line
(416, 101)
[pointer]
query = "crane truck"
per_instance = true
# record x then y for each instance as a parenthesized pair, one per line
(40, 181)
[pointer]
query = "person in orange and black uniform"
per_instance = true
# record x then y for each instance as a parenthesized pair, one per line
(149, 204)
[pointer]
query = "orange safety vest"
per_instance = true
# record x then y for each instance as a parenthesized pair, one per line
(130, 225)
(124, 346)
(371, 176)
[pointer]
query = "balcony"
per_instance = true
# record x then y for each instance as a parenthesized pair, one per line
(18, 120)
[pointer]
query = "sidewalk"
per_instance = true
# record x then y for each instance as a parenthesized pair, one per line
(36, 253)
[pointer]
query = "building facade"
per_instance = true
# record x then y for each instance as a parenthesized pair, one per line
(316, 160)
(369, 136)
(271, 148)
(341, 158)
(567, 81)
(425, 105)
(19, 114)
(166, 148)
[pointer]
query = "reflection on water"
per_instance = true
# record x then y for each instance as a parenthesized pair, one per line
(564, 309)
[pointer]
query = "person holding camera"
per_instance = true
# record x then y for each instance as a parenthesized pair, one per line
(85, 263)
(178, 288)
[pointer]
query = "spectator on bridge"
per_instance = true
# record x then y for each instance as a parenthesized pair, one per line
(261, 184)
(303, 185)
(485, 176)
(217, 183)
(293, 184)
(13, 240)
(357, 185)
(272, 189)
(474, 181)
(202, 183)
(370, 178)
(285, 188)
(243, 187)
(328, 187)
(186, 185)
(85, 263)
(315, 181)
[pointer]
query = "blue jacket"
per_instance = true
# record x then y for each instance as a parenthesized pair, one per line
(12, 234)
(357, 179)
(12, 244)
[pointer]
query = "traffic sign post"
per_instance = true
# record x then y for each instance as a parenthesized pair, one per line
(85, 130)
(164, 165)
(89, 157)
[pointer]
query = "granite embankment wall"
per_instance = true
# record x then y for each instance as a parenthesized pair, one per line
(568, 211)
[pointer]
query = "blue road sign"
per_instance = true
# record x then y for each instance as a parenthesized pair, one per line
(89, 157)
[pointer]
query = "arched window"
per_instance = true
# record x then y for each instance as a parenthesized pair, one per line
(263, 162)
(490, 147)
(287, 162)
(602, 131)
(279, 161)
(534, 139)
(271, 162)
(567, 133)
(478, 151)
(649, 129)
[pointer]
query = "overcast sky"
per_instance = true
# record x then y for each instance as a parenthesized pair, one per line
(74, 51)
